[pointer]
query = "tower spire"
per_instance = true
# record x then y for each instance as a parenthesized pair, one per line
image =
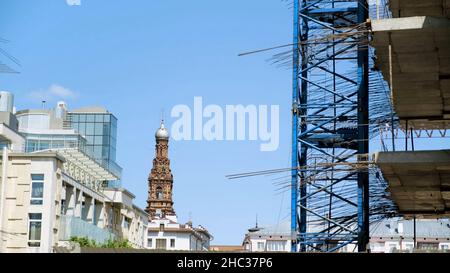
(160, 180)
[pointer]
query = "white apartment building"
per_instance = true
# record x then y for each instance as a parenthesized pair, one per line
(166, 234)
(275, 238)
(386, 236)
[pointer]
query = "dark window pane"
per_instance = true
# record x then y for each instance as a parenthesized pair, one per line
(32, 145)
(105, 141)
(37, 190)
(106, 129)
(105, 152)
(35, 231)
(37, 177)
(36, 202)
(35, 216)
(44, 144)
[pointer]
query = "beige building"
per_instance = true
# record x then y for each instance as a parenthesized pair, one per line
(42, 206)
(53, 187)
(127, 221)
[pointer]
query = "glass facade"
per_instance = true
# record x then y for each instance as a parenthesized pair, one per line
(95, 135)
(100, 132)
(39, 142)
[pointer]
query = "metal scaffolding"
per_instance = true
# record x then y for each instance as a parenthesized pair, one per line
(330, 125)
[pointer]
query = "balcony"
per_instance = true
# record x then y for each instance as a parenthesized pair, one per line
(72, 226)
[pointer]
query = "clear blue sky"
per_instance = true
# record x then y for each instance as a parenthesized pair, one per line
(136, 57)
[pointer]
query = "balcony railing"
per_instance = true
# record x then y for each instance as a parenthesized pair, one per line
(72, 226)
(42, 142)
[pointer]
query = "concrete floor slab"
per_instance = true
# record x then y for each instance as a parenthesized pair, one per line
(406, 8)
(419, 182)
(420, 65)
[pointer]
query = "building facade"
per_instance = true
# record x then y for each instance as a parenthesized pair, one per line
(164, 231)
(386, 236)
(53, 187)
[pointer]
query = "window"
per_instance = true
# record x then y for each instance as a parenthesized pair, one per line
(63, 206)
(159, 212)
(276, 245)
(89, 129)
(172, 242)
(409, 246)
(427, 246)
(37, 189)
(161, 244)
(444, 247)
(34, 229)
(260, 246)
(159, 193)
(392, 248)
(150, 243)
(126, 223)
(90, 118)
(99, 118)
(161, 227)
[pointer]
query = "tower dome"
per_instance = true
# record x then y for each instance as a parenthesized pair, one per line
(162, 132)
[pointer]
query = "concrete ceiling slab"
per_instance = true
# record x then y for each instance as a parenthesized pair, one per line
(420, 65)
(406, 8)
(419, 182)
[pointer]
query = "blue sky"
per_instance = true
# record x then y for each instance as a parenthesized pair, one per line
(137, 57)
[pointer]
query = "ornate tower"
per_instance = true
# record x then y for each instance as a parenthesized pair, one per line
(160, 180)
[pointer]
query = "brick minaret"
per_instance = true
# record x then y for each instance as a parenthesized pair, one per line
(160, 180)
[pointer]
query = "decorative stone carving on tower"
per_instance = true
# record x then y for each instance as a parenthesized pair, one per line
(159, 202)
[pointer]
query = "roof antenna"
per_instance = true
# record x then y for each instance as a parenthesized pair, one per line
(256, 221)
(43, 104)
(162, 115)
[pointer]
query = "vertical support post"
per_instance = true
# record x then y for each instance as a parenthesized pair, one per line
(391, 85)
(5, 162)
(378, 9)
(303, 34)
(363, 132)
(406, 136)
(415, 238)
(294, 152)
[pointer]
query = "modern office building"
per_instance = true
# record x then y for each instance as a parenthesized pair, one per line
(53, 187)
(99, 127)
(92, 130)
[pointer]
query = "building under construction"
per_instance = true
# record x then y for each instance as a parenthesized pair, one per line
(365, 70)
